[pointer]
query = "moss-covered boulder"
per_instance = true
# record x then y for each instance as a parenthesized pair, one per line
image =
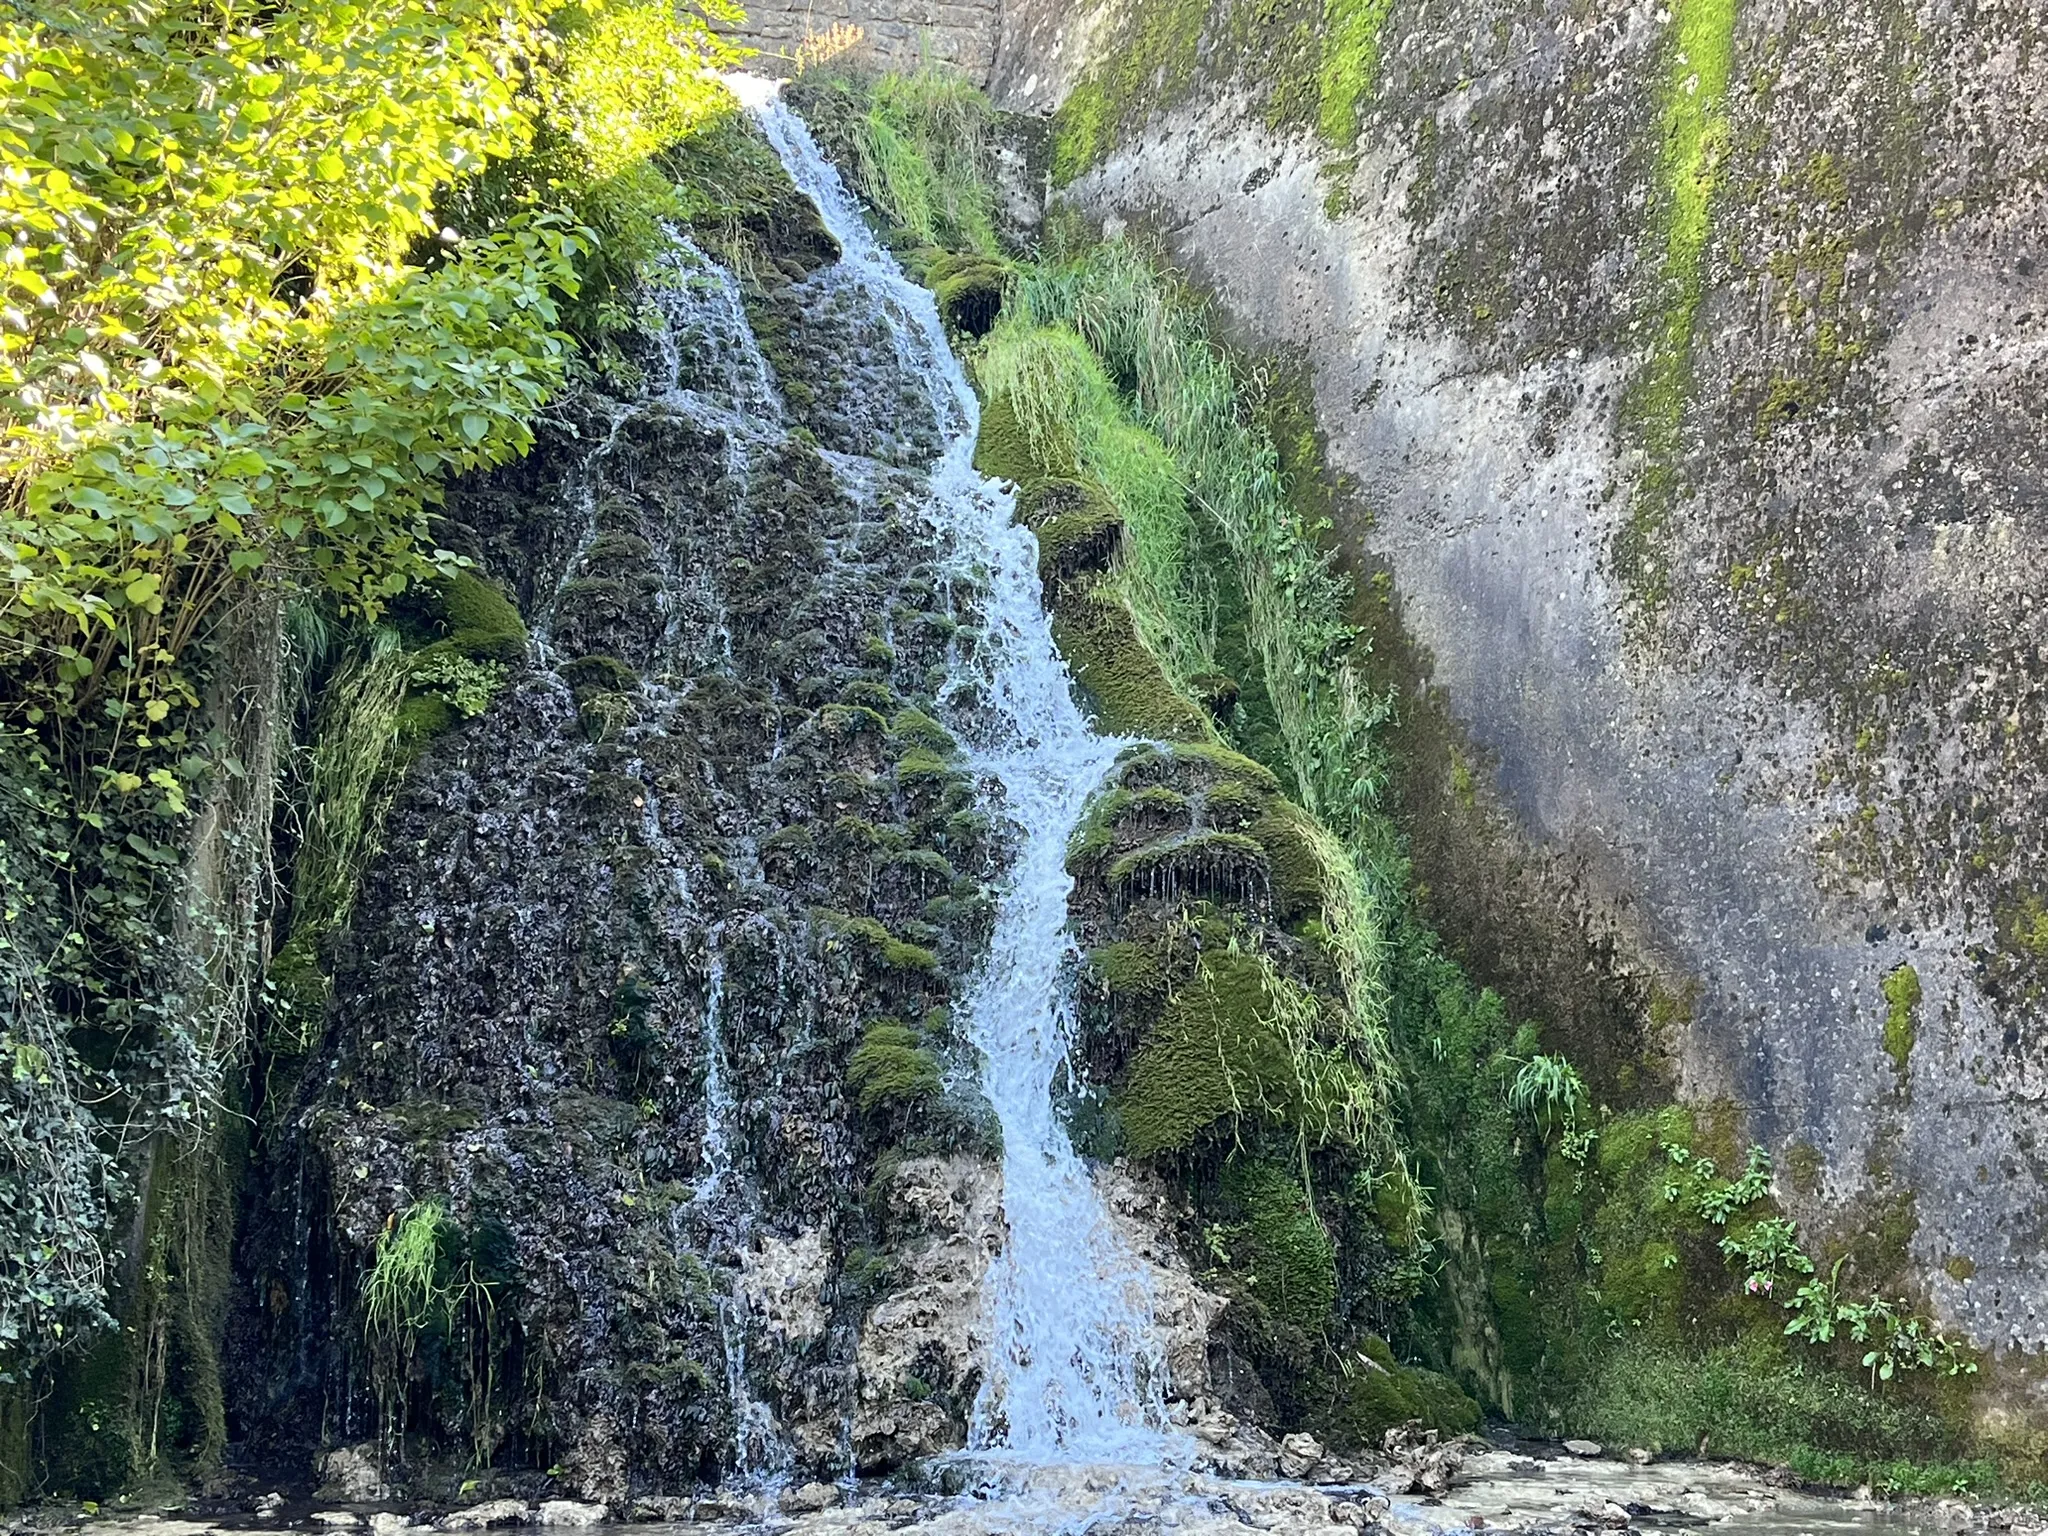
(969, 288)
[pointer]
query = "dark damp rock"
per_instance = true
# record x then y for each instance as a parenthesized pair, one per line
(1215, 692)
(741, 205)
(732, 821)
(1226, 866)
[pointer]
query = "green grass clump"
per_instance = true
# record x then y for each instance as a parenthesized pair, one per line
(922, 146)
(1067, 411)
(350, 781)
(404, 1290)
(1141, 329)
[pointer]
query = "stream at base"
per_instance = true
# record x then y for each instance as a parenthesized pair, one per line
(1511, 1488)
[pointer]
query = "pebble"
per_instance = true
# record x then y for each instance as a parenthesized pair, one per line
(1583, 1447)
(810, 1498)
(567, 1512)
(480, 1517)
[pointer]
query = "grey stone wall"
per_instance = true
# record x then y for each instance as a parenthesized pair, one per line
(1817, 755)
(895, 33)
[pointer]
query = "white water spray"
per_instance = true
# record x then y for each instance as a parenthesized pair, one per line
(1075, 1370)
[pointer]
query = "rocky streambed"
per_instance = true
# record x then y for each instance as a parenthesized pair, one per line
(1506, 1487)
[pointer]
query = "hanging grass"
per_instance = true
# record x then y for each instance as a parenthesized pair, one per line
(404, 1291)
(1149, 338)
(1070, 414)
(924, 157)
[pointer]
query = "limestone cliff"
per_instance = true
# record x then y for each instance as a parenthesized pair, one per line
(1685, 366)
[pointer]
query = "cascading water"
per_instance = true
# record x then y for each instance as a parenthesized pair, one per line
(1075, 1370)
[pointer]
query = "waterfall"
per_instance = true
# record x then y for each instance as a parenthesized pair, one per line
(1075, 1370)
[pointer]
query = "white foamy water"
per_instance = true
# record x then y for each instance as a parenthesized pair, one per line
(1075, 1372)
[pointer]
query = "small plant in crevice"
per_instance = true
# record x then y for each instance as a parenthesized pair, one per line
(431, 1317)
(404, 1292)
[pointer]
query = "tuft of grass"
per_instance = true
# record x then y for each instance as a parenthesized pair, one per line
(404, 1292)
(349, 787)
(1151, 338)
(924, 151)
(1070, 413)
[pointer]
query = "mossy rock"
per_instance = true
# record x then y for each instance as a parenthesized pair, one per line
(613, 551)
(476, 618)
(1129, 690)
(1280, 1250)
(1077, 528)
(866, 693)
(1227, 765)
(851, 720)
(1003, 449)
(892, 1070)
(1218, 1054)
(1296, 877)
(1131, 976)
(918, 766)
(913, 729)
(422, 717)
(598, 674)
(879, 942)
(741, 204)
(1204, 866)
(1379, 1394)
(970, 289)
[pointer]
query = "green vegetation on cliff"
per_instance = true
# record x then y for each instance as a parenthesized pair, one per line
(281, 271)
(1577, 1264)
(1699, 58)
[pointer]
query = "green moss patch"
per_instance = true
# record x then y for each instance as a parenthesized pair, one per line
(1278, 1247)
(870, 935)
(1901, 1015)
(892, 1069)
(1239, 1043)
(1130, 691)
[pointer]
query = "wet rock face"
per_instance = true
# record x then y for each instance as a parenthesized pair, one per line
(1719, 529)
(599, 1006)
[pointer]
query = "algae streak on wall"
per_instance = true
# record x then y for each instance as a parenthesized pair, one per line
(1685, 369)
